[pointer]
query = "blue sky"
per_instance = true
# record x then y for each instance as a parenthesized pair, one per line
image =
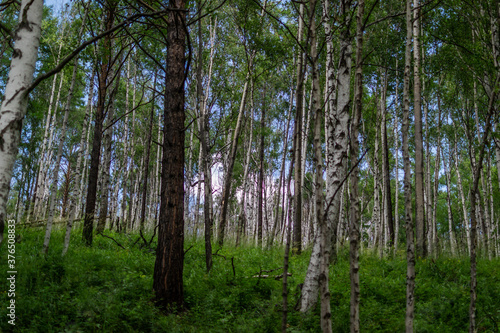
(56, 3)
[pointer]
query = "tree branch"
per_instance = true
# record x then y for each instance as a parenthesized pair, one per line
(75, 52)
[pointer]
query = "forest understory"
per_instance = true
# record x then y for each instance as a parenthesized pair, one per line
(107, 288)
(157, 158)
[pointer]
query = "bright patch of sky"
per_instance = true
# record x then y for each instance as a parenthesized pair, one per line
(56, 4)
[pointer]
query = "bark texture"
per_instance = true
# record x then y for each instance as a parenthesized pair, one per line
(15, 102)
(405, 126)
(419, 148)
(167, 276)
(354, 226)
(297, 137)
(104, 71)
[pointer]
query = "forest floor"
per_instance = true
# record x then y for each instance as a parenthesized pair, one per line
(106, 288)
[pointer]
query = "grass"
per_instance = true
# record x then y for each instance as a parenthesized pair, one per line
(107, 289)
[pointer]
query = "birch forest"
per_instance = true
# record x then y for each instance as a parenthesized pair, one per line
(249, 165)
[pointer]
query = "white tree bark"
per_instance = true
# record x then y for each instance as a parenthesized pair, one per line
(462, 195)
(106, 160)
(396, 156)
(232, 156)
(14, 104)
(337, 142)
(243, 217)
(85, 164)
(125, 184)
(447, 171)
(43, 163)
(433, 231)
(55, 175)
(47, 161)
(73, 203)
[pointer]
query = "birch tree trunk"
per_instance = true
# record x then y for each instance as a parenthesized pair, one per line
(337, 139)
(288, 231)
(447, 171)
(42, 165)
(73, 209)
(337, 151)
(396, 156)
(228, 177)
(243, 218)
(427, 190)
(433, 231)
(474, 189)
(281, 179)
(146, 163)
(494, 225)
(79, 206)
(189, 179)
(55, 175)
(487, 222)
(204, 129)
(126, 171)
(50, 120)
(323, 228)
(354, 226)
(462, 196)
(15, 102)
(106, 162)
(47, 161)
(261, 169)
(386, 167)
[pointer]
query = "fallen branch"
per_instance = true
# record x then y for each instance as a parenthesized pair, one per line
(114, 240)
(276, 277)
(225, 258)
(268, 271)
(38, 223)
(189, 248)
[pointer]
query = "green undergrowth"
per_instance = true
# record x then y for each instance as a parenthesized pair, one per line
(105, 288)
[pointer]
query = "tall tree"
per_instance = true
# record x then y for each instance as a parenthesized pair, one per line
(419, 147)
(15, 101)
(167, 276)
(261, 167)
(354, 213)
(405, 127)
(105, 67)
(297, 137)
(147, 158)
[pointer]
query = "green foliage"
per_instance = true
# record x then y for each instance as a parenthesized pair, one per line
(108, 289)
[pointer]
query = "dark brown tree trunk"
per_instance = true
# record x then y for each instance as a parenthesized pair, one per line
(386, 166)
(90, 203)
(167, 276)
(297, 187)
(473, 230)
(405, 126)
(419, 147)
